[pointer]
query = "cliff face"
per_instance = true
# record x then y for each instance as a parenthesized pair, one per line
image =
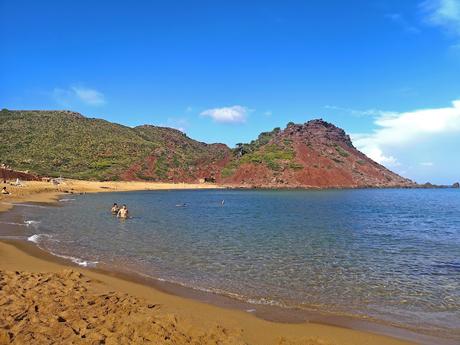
(9, 174)
(314, 154)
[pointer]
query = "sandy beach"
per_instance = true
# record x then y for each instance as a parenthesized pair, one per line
(39, 191)
(46, 300)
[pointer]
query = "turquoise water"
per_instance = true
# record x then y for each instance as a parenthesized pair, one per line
(392, 255)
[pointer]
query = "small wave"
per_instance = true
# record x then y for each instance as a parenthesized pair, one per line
(243, 298)
(36, 238)
(66, 199)
(28, 205)
(266, 301)
(33, 223)
(78, 261)
(217, 291)
(12, 223)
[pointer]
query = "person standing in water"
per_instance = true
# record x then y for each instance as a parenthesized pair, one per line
(115, 208)
(123, 212)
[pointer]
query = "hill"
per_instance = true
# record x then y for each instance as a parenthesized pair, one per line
(55, 143)
(314, 154)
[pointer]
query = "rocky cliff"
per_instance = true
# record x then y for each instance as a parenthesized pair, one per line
(313, 154)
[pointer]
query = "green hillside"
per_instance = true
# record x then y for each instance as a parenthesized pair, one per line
(177, 157)
(65, 143)
(274, 154)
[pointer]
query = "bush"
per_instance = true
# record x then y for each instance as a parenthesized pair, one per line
(341, 151)
(295, 166)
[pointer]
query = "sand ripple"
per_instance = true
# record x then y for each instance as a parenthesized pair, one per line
(59, 308)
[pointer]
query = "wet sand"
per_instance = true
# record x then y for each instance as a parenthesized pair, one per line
(44, 299)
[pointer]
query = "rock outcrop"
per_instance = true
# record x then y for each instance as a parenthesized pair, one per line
(9, 174)
(314, 154)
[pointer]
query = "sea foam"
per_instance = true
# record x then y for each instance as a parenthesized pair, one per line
(28, 205)
(12, 223)
(36, 238)
(32, 223)
(78, 261)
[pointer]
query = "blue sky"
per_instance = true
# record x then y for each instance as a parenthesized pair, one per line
(388, 72)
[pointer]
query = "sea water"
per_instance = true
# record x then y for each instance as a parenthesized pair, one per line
(392, 255)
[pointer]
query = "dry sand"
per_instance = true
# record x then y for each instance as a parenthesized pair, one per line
(48, 301)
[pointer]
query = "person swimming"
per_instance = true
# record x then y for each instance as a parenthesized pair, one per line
(115, 208)
(123, 212)
(182, 205)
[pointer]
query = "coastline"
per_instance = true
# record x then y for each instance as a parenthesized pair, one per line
(16, 256)
(196, 315)
(39, 191)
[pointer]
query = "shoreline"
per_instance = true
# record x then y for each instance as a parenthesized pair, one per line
(17, 256)
(267, 313)
(344, 330)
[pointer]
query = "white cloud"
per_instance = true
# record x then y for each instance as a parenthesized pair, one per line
(400, 129)
(89, 96)
(234, 114)
(399, 19)
(67, 97)
(358, 112)
(444, 14)
(427, 164)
